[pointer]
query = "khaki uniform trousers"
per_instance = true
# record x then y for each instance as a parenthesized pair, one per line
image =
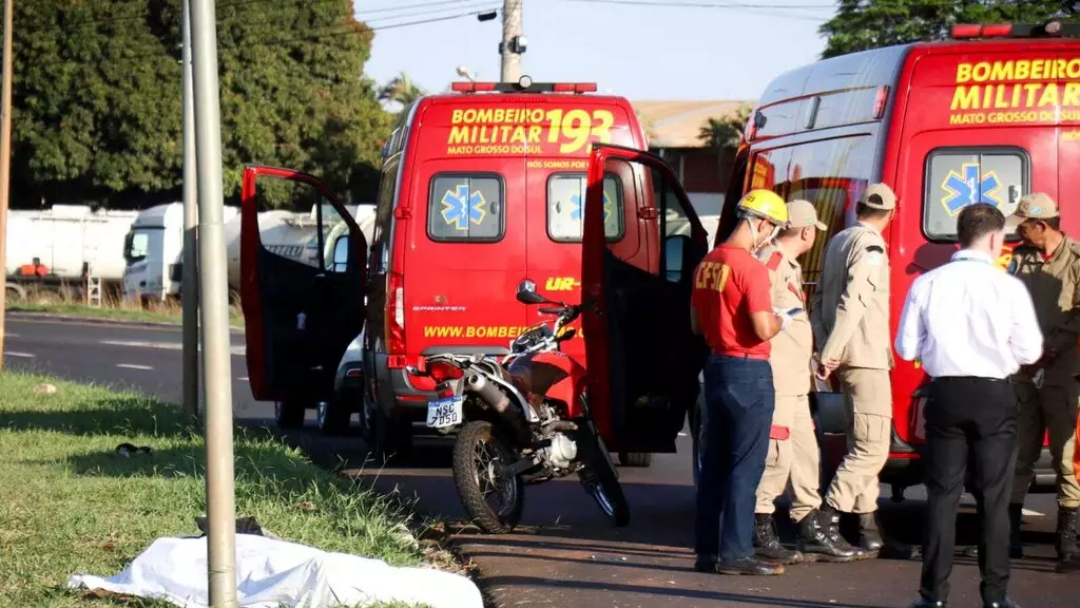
(1052, 407)
(795, 458)
(868, 395)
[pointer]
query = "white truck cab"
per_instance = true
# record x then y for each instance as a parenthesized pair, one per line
(153, 251)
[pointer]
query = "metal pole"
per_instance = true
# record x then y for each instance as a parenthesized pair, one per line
(189, 290)
(511, 28)
(5, 160)
(214, 301)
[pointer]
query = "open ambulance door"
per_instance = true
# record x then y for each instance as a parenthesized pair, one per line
(303, 297)
(643, 360)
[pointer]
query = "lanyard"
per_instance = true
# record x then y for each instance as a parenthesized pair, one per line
(964, 256)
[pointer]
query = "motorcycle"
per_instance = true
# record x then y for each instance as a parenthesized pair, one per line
(521, 420)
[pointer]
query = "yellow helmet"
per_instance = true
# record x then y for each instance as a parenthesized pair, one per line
(764, 204)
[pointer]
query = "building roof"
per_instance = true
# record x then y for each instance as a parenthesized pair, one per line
(676, 124)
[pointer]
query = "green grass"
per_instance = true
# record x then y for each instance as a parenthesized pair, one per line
(70, 504)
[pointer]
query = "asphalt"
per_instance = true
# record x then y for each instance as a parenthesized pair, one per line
(565, 553)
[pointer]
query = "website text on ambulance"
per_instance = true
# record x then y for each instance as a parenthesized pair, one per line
(1016, 91)
(478, 331)
(527, 131)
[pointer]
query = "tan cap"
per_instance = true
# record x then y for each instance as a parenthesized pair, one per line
(879, 196)
(1034, 206)
(801, 214)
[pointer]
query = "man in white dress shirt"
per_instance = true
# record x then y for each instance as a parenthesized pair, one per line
(972, 326)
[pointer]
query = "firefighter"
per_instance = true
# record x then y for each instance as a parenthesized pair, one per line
(851, 326)
(732, 308)
(793, 446)
(1048, 262)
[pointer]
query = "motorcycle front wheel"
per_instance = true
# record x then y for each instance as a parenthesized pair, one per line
(480, 454)
(600, 479)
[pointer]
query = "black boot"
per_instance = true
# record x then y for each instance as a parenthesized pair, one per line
(767, 544)
(869, 536)
(1016, 514)
(814, 539)
(1066, 533)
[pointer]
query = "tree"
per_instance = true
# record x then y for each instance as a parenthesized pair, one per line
(98, 100)
(722, 133)
(860, 25)
(401, 89)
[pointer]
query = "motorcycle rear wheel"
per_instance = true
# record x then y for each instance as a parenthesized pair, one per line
(477, 439)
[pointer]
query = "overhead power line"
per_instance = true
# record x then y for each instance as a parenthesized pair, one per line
(423, 21)
(483, 6)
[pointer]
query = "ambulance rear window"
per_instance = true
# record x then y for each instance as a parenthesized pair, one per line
(565, 198)
(957, 177)
(466, 207)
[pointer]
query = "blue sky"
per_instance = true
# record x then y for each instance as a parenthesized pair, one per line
(640, 49)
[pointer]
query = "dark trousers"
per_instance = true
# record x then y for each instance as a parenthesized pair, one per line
(976, 417)
(734, 443)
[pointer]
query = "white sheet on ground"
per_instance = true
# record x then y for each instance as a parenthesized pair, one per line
(272, 573)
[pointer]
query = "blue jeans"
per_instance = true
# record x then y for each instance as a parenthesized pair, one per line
(734, 443)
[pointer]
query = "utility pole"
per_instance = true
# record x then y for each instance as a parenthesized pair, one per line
(189, 289)
(511, 35)
(214, 304)
(5, 160)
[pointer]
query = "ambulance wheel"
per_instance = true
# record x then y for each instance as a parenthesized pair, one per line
(289, 414)
(601, 480)
(695, 430)
(332, 417)
(386, 437)
(635, 459)
(480, 457)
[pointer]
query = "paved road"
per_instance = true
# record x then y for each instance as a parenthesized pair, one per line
(127, 357)
(564, 554)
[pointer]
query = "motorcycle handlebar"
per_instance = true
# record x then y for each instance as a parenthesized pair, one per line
(568, 312)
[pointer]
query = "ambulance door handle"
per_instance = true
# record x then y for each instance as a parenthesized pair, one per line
(1014, 194)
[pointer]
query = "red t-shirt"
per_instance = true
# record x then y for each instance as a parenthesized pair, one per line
(730, 285)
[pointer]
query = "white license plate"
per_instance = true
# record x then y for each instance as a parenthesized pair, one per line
(444, 413)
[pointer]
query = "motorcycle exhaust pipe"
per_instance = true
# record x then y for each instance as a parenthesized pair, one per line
(496, 399)
(488, 392)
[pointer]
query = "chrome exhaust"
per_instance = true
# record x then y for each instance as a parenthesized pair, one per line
(495, 398)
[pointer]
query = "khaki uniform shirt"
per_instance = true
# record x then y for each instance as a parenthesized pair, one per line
(793, 347)
(851, 303)
(1054, 286)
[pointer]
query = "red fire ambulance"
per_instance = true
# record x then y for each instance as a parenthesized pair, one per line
(988, 116)
(481, 188)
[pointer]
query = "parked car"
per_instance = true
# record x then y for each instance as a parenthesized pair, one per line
(333, 417)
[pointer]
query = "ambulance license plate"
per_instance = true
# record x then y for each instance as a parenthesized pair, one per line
(444, 413)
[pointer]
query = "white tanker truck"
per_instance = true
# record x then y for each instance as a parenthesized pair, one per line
(60, 248)
(154, 246)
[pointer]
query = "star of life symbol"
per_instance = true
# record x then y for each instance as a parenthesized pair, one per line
(576, 207)
(461, 207)
(966, 188)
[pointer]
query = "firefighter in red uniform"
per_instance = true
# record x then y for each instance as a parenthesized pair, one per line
(731, 306)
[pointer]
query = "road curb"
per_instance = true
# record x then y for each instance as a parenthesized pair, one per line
(100, 320)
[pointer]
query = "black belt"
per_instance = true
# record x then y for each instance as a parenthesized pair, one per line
(967, 379)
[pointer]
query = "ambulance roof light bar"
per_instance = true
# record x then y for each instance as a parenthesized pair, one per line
(524, 85)
(1051, 29)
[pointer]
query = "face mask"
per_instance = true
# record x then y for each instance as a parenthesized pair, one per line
(754, 235)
